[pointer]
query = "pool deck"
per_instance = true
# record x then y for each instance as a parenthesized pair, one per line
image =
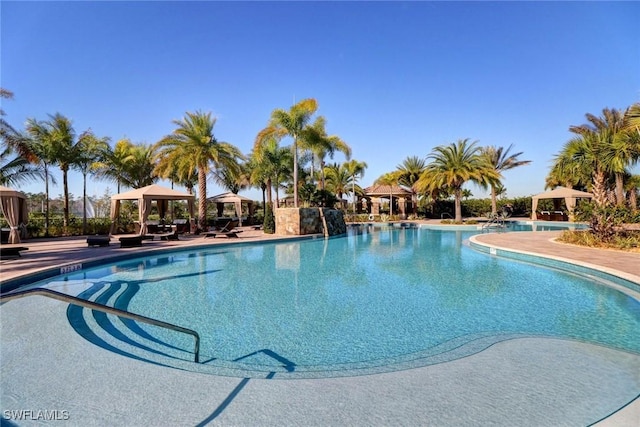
(533, 380)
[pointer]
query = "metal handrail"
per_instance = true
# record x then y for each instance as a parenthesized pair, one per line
(499, 221)
(106, 309)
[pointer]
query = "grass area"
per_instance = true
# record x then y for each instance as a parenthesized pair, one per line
(625, 240)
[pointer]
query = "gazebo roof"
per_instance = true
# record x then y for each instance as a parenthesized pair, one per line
(229, 197)
(563, 193)
(382, 190)
(154, 192)
(6, 191)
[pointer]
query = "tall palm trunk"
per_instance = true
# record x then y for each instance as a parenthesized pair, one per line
(263, 187)
(599, 189)
(295, 173)
(65, 186)
(84, 203)
(458, 204)
(601, 220)
(620, 199)
(633, 199)
(46, 193)
(202, 199)
(353, 193)
(494, 203)
(269, 191)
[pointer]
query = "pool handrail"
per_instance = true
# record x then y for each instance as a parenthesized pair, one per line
(105, 309)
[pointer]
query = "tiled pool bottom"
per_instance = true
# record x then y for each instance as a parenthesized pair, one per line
(524, 382)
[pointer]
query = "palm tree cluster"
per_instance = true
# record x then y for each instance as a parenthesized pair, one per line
(599, 158)
(311, 137)
(188, 156)
(448, 168)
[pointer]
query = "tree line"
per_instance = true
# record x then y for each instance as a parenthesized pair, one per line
(598, 159)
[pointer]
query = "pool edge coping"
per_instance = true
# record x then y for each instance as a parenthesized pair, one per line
(631, 287)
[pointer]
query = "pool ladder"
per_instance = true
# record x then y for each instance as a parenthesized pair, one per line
(496, 221)
(106, 309)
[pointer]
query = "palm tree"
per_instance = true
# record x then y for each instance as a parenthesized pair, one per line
(233, 180)
(588, 151)
(338, 179)
(409, 172)
(90, 149)
(14, 140)
(291, 123)
(621, 151)
(633, 184)
(139, 170)
(321, 145)
(452, 166)
(41, 144)
(193, 137)
(258, 178)
(114, 162)
(501, 161)
(355, 169)
(173, 164)
(16, 170)
(391, 179)
(272, 162)
(61, 149)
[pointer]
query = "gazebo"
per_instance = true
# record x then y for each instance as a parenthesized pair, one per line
(569, 195)
(377, 192)
(221, 199)
(145, 197)
(13, 205)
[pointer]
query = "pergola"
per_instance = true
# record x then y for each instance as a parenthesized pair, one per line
(569, 195)
(13, 205)
(221, 199)
(145, 197)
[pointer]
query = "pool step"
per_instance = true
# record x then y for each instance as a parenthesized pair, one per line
(124, 335)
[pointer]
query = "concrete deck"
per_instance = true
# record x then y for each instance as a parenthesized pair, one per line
(532, 381)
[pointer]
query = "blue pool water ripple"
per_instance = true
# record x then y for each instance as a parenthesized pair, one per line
(370, 299)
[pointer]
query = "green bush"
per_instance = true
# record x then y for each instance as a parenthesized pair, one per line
(269, 225)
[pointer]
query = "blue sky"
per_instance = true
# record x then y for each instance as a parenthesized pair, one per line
(393, 79)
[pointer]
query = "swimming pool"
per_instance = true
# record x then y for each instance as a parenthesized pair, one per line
(380, 299)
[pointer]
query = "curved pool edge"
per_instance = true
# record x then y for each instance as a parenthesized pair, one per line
(629, 414)
(624, 281)
(92, 259)
(449, 393)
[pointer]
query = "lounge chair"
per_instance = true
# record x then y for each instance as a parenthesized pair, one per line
(130, 241)
(170, 236)
(7, 252)
(228, 230)
(98, 240)
(214, 234)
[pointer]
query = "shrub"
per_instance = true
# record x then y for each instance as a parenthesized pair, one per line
(269, 225)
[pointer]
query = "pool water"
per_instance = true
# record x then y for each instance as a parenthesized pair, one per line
(377, 297)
